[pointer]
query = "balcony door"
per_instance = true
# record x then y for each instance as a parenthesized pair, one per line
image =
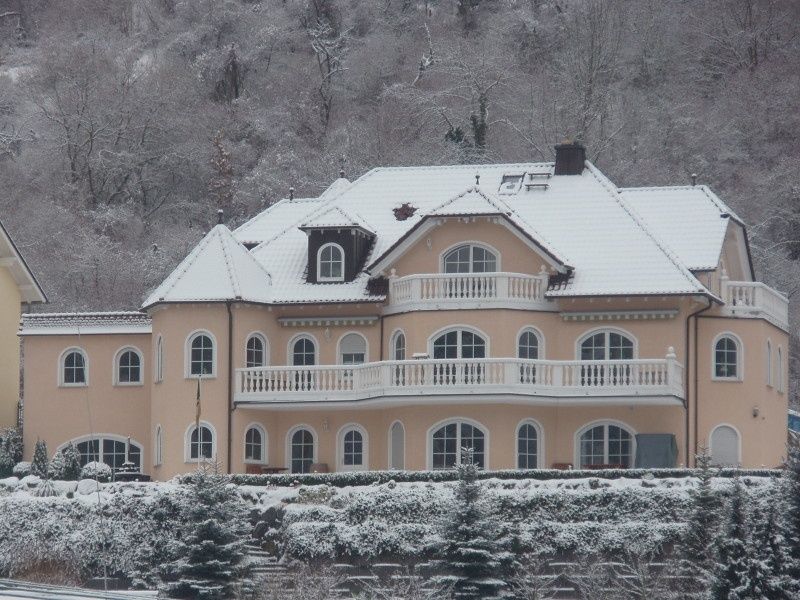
(606, 346)
(453, 346)
(469, 258)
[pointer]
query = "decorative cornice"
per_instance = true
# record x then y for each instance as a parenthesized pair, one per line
(620, 315)
(326, 321)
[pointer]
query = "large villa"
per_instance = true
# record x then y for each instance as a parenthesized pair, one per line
(536, 313)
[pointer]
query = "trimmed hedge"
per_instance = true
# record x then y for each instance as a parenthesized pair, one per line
(380, 477)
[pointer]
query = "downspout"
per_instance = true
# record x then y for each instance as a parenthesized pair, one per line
(691, 316)
(230, 383)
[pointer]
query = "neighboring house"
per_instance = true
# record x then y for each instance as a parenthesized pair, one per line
(17, 286)
(794, 421)
(534, 312)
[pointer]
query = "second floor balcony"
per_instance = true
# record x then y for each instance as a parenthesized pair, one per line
(637, 381)
(756, 300)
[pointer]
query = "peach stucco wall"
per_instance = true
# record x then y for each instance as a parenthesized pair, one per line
(9, 348)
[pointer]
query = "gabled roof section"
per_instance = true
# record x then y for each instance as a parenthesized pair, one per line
(690, 220)
(337, 217)
(218, 269)
(11, 258)
(336, 188)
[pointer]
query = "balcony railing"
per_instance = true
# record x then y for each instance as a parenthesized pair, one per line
(754, 299)
(469, 290)
(549, 379)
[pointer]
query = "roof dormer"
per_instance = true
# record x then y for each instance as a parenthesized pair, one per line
(338, 244)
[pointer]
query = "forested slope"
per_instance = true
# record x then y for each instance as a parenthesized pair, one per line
(124, 125)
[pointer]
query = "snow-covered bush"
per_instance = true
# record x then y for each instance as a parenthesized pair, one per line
(72, 463)
(40, 464)
(96, 470)
(45, 489)
(22, 469)
(10, 450)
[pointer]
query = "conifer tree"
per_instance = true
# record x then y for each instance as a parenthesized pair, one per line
(469, 549)
(733, 551)
(40, 464)
(72, 463)
(791, 493)
(209, 556)
(766, 573)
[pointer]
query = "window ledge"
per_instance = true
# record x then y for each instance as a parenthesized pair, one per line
(73, 385)
(194, 461)
(204, 377)
(129, 384)
(728, 379)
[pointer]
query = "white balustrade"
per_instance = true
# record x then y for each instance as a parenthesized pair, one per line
(462, 376)
(754, 299)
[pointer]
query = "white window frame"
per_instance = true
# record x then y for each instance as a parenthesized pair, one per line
(340, 354)
(539, 337)
(62, 366)
(340, 466)
(768, 366)
(393, 344)
(458, 421)
(116, 367)
(739, 357)
(389, 440)
(106, 436)
(319, 262)
(288, 445)
(539, 442)
(158, 446)
(460, 329)
(738, 439)
(293, 341)
(187, 351)
(264, 343)
(472, 244)
(264, 445)
(607, 330)
(187, 444)
(605, 422)
(781, 372)
(159, 361)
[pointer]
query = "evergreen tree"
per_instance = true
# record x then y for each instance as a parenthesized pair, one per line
(469, 548)
(208, 558)
(766, 572)
(791, 494)
(10, 450)
(40, 464)
(56, 468)
(72, 463)
(733, 557)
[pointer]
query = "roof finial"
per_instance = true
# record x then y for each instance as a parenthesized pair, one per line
(291, 192)
(694, 179)
(477, 178)
(341, 166)
(220, 216)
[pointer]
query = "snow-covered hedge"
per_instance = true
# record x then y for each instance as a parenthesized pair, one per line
(96, 470)
(346, 479)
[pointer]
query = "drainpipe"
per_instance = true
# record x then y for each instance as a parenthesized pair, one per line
(691, 316)
(230, 382)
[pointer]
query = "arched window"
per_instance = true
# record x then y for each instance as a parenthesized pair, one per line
(112, 450)
(724, 446)
(397, 446)
(607, 345)
(528, 349)
(158, 447)
(255, 444)
(304, 352)
(201, 355)
(605, 444)
(256, 351)
(301, 450)
(129, 367)
(352, 448)
(159, 359)
(201, 443)
(470, 258)
(780, 370)
(768, 366)
(727, 354)
(74, 367)
(447, 441)
(330, 263)
(399, 346)
(527, 445)
(459, 343)
(352, 349)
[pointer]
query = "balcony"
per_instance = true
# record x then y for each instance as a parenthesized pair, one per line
(435, 291)
(641, 381)
(755, 300)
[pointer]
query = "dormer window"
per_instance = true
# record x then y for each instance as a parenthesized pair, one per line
(330, 263)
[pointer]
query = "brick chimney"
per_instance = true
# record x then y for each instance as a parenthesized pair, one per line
(570, 158)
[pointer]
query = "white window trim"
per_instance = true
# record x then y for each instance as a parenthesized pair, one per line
(319, 262)
(594, 331)
(389, 439)
(458, 420)
(393, 339)
(339, 354)
(293, 341)
(115, 373)
(158, 446)
(576, 442)
(288, 444)
(497, 256)
(61, 366)
(540, 462)
(106, 436)
(158, 370)
(459, 328)
(781, 372)
(739, 357)
(340, 466)
(187, 444)
(264, 445)
(187, 355)
(539, 336)
(264, 342)
(738, 438)
(768, 366)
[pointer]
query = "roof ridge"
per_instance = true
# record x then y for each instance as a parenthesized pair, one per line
(237, 290)
(457, 166)
(186, 263)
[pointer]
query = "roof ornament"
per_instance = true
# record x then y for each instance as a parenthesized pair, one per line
(291, 193)
(694, 179)
(341, 167)
(477, 178)
(220, 216)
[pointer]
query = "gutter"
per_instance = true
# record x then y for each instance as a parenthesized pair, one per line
(231, 406)
(695, 316)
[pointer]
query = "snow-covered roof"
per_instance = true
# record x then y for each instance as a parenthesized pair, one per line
(89, 323)
(611, 242)
(219, 268)
(690, 220)
(11, 258)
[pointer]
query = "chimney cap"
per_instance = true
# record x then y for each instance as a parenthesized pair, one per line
(220, 216)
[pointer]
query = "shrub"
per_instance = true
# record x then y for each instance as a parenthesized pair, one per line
(96, 470)
(72, 463)
(22, 469)
(40, 464)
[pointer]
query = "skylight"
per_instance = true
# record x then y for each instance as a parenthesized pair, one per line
(511, 183)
